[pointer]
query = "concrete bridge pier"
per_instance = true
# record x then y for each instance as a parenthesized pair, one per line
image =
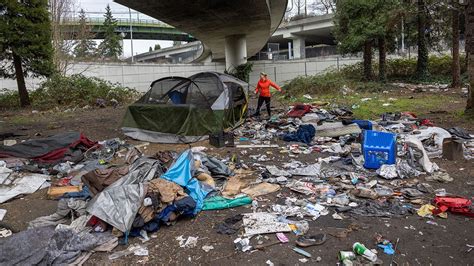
(235, 51)
(299, 47)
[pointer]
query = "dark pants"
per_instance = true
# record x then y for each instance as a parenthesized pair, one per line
(261, 100)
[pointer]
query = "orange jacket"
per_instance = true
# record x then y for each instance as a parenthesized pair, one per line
(263, 87)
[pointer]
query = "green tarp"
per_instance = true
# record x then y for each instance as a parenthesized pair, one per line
(218, 202)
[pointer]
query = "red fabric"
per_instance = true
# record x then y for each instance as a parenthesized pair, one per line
(453, 204)
(299, 110)
(426, 122)
(409, 114)
(58, 154)
(263, 87)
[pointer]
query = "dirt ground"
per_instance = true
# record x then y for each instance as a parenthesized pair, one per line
(419, 242)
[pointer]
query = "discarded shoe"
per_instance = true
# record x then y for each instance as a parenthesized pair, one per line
(307, 241)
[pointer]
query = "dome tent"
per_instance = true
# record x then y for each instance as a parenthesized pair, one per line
(178, 109)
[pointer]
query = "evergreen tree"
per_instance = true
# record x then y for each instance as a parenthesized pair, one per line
(25, 42)
(360, 24)
(150, 49)
(84, 45)
(157, 46)
(111, 46)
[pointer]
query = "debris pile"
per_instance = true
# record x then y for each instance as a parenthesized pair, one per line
(290, 170)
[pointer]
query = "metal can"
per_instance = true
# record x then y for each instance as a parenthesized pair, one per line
(346, 255)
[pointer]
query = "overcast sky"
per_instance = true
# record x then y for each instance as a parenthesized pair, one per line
(96, 8)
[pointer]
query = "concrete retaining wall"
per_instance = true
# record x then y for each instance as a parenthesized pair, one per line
(140, 75)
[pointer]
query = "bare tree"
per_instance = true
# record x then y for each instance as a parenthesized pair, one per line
(299, 4)
(62, 37)
(322, 7)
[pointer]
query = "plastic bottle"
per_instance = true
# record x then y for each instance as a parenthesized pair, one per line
(363, 251)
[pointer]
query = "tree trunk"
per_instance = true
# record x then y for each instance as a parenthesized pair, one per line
(456, 71)
(20, 81)
(382, 54)
(470, 95)
(422, 62)
(470, 53)
(368, 61)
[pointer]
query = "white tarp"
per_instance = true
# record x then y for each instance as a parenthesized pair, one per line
(23, 185)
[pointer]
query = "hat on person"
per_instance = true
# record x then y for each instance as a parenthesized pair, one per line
(263, 73)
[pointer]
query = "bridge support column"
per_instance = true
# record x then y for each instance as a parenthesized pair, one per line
(299, 47)
(235, 51)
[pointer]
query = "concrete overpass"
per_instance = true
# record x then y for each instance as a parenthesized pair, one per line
(303, 32)
(143, 29)
(229, 30)
(292, 36)
(183, 53)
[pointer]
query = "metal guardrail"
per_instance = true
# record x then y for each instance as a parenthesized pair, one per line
(120, 22)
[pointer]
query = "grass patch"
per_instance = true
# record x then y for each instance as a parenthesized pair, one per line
(21, 120)
(401, 69)
(374, 107)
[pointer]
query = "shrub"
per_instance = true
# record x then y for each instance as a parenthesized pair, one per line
(9, 99)
(398, 69)
(323, 83)
(75, 90)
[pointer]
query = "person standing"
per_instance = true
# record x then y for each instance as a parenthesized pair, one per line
(263, 91)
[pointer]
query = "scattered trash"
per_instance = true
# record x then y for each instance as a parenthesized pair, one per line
(337, 216)
(2, 214)
(307, 241)
(360, 249)
(141, 251)
(9, 142)
(207, 248)
(282, 237)
(189, 242)
(260, 189)
(242, 244)
(263, 223)
(5, 232)
(345, 256)
(327, 163)
(301, 252)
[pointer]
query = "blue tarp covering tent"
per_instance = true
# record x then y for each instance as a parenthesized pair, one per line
(181, 173)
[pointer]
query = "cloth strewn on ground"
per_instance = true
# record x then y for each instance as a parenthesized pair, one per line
(118, 205)
(141, 170)
(299, 110)
(214, 166)
(337, 129)
(65, 207)
(181, 173)
(305, 134)
(47, 246)
(99, 179)
(47, 150)
(163, 193)
(183, 207)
